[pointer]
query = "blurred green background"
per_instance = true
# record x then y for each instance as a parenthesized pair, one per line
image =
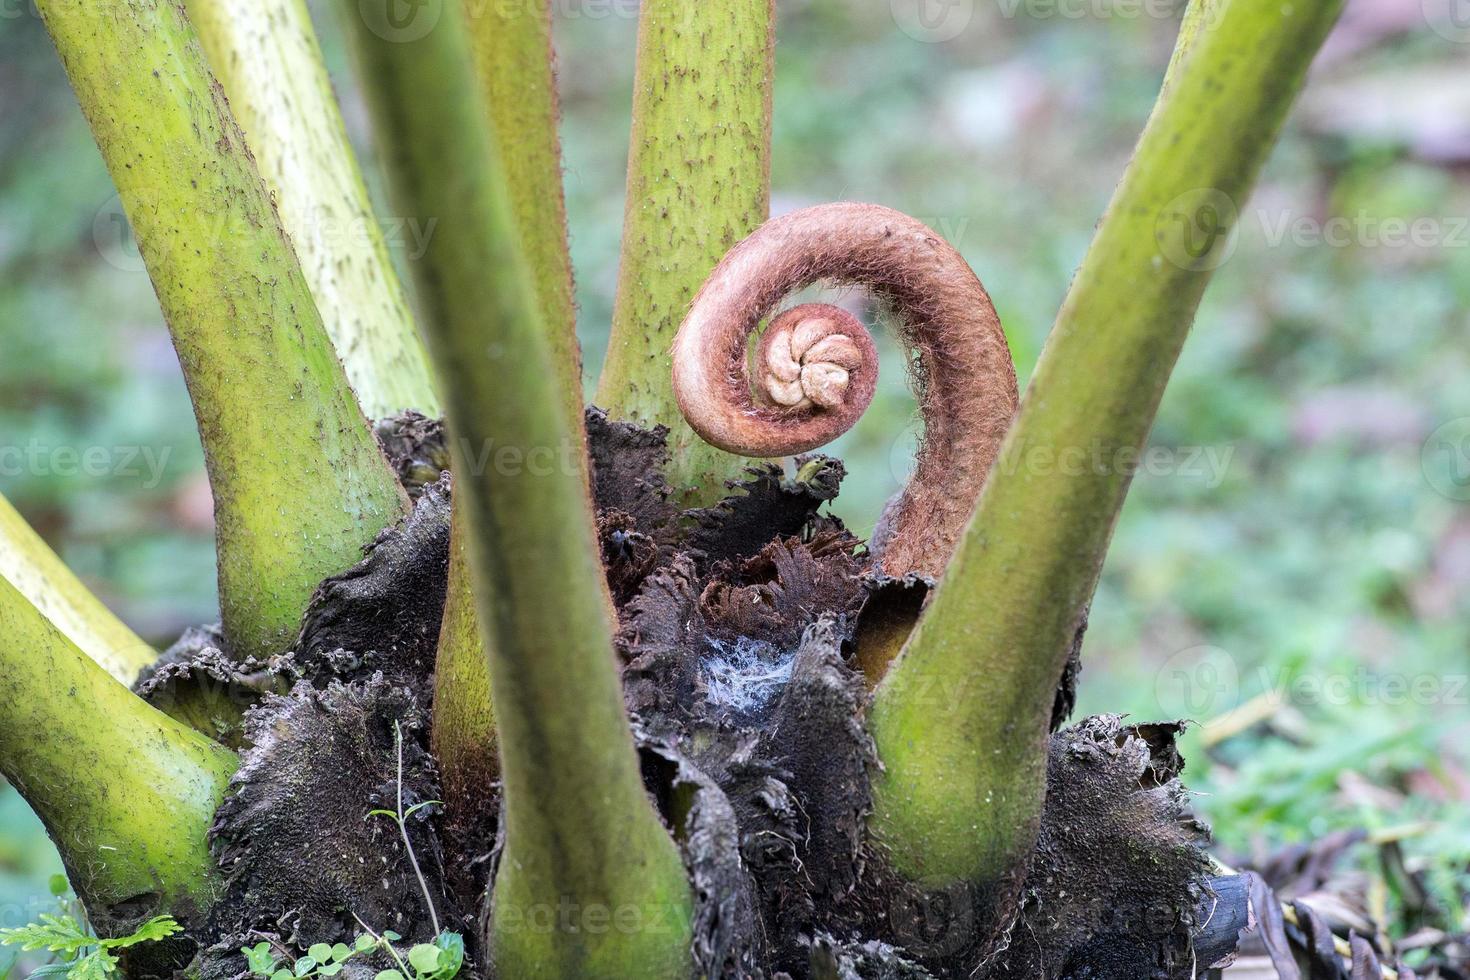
(1293, 567)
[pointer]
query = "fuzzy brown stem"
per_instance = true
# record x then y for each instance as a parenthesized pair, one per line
(965, 380)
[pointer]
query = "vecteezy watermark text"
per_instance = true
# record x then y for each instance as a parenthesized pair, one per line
(1206, 464)
(1200, 229)
(1204, 681)
(113, 235)
(40, 459)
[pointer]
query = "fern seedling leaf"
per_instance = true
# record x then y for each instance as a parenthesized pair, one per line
(156, 928)
(424, 958)
(57, 934)
(96, 965)
(452, 957)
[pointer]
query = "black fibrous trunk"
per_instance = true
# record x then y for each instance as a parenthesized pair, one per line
(737, 635)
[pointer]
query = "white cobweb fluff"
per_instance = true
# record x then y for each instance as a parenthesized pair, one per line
(743, 676)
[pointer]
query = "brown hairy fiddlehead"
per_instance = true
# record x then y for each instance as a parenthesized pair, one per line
(816, 367)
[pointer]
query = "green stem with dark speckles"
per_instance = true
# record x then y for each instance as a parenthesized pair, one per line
(514, 66)
(266, 55)
(961, 718)
(30, 566)
(299, 483)
(126, 793)
(513, 63)
(566, 751)
(699, 181)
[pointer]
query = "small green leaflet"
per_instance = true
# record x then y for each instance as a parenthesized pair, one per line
(59, 934)
(440, 960)
(68, 938)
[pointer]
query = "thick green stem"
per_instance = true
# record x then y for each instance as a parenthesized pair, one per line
(31, 567)
(421, 86)
(464, 712)
(566, 751)
(1199, 16)
(699, 180)
(514, 63)
(299, 483)
(127, 793)
(265, 54)
(961, 719)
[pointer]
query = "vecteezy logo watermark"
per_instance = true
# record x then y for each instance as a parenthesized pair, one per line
(1100, 10)
(1445, 459)
(1203, 682)
(1197, 682)
(1363, 230)
(400, 21)
(1205, 464)
(1197, 230)
(514, 461)
(1450, 19)
(113, 235)
(1361, 686)
(932, 21)
(592, 918)
(38, 459)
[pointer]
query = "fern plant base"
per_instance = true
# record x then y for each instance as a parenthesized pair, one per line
(736, 640)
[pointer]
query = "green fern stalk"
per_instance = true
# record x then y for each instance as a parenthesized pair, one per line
(514, 65)
(126, 793)
(961, 719)
(299, 483)
(699, 181)
(566, 750)
(513, 58)
(464, 739)
(32, 568)
(265, 54)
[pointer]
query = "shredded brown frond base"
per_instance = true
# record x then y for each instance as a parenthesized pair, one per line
(740, 628)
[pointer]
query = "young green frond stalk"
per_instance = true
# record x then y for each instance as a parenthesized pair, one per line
(513, 61)
(31, 567)
(566, 750)
(1199, 16)
(126, 793)
(699, 178)
(464, 714)
(423, 95)
(514, 65)
(961, 719)
(426, 89)
(265, 54)
(299, 483)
